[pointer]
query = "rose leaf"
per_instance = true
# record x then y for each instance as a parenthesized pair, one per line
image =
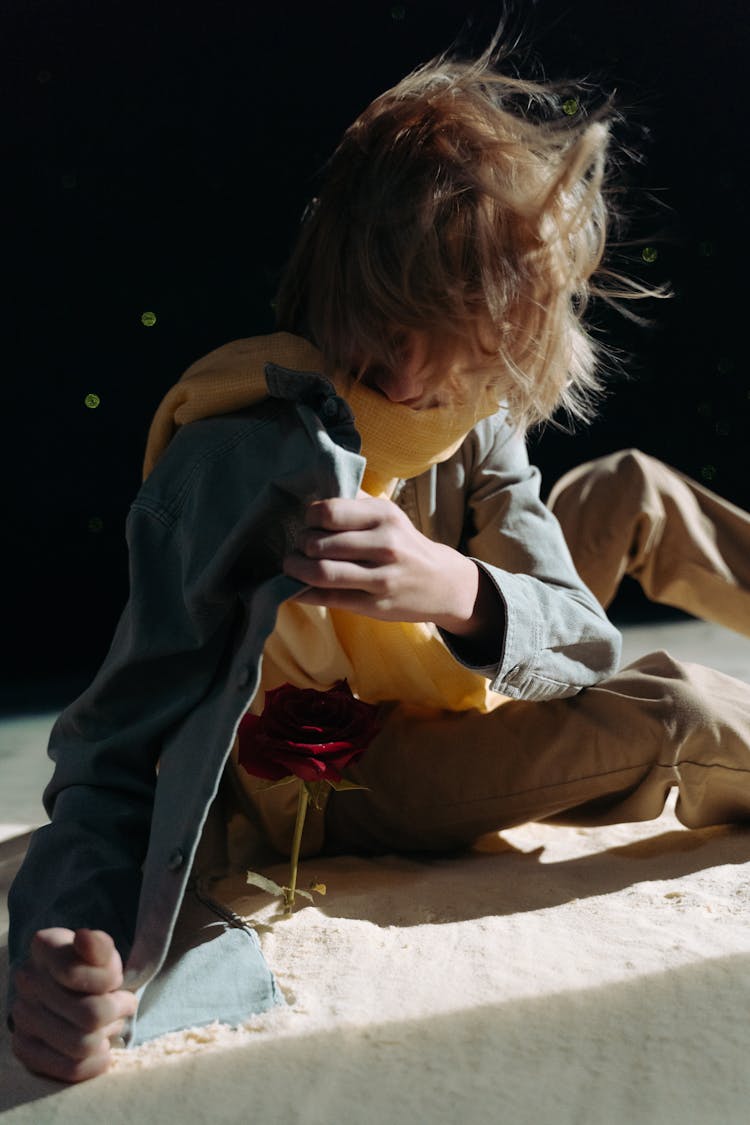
(264, 884)
(341, 786)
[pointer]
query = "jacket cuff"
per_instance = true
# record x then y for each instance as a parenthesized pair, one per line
(529, 666)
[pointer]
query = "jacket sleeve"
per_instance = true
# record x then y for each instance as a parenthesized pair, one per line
(84, 867)
(205, 534)
(556, 638)
(187, 536)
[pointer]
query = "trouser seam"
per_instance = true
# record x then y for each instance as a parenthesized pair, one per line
(643, 766)
(711, 765)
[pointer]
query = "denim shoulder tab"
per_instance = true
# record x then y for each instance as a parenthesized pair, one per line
(308, 388)
(301, 386)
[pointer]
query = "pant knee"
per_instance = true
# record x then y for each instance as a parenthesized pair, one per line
(619, 471)
(693, 698)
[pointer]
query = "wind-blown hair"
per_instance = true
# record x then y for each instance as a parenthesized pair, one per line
(466, 203)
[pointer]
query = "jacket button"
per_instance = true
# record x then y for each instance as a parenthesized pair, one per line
(176, 860)
(330, 408)
(244, 677)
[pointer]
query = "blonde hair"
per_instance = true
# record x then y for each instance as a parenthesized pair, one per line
(466, 203)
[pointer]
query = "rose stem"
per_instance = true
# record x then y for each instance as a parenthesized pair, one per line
(302, 803)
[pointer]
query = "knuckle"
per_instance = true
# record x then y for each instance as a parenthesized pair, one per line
(76, 977)
(392, 515)
(383, 585)
(84, 1047)
(78, 1070)
(113, 1029)
(93, 1067)
(323, 512)
(324, 574)
(87, 1021)
(126, 1003)
(95, 1012)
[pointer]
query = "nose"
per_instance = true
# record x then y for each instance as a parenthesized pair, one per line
(399, 386)
(405, 380)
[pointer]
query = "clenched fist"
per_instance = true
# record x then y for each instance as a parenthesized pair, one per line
(69, 1001)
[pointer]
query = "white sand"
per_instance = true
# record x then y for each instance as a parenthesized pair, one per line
(561, 975)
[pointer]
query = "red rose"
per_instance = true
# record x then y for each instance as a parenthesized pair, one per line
(313, 735)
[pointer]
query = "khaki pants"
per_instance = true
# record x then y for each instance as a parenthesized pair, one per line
(438, 780)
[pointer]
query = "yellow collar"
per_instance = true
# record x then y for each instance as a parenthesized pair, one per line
(396, 441)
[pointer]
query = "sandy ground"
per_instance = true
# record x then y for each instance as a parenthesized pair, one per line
(559, 975)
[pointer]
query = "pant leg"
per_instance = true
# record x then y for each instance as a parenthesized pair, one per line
(630, 514)
(438, 780)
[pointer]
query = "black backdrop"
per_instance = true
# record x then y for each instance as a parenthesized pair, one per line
(158, 159)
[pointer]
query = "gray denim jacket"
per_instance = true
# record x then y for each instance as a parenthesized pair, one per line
(138, 757)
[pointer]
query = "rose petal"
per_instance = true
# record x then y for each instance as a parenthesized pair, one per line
(311, 734)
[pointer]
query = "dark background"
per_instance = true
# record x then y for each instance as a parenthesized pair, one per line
(158, 159)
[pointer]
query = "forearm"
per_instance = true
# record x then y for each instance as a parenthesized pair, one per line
(478, 619)
(83, 869)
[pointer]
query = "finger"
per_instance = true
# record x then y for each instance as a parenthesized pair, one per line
(336, 574)
(366, 547)
(50, 952)
(40, 1058)
(89, 1012)
(94, 946)
(85, 1011)
(37, 1022)
(56, 937)
(339, 514)
(355, 601)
